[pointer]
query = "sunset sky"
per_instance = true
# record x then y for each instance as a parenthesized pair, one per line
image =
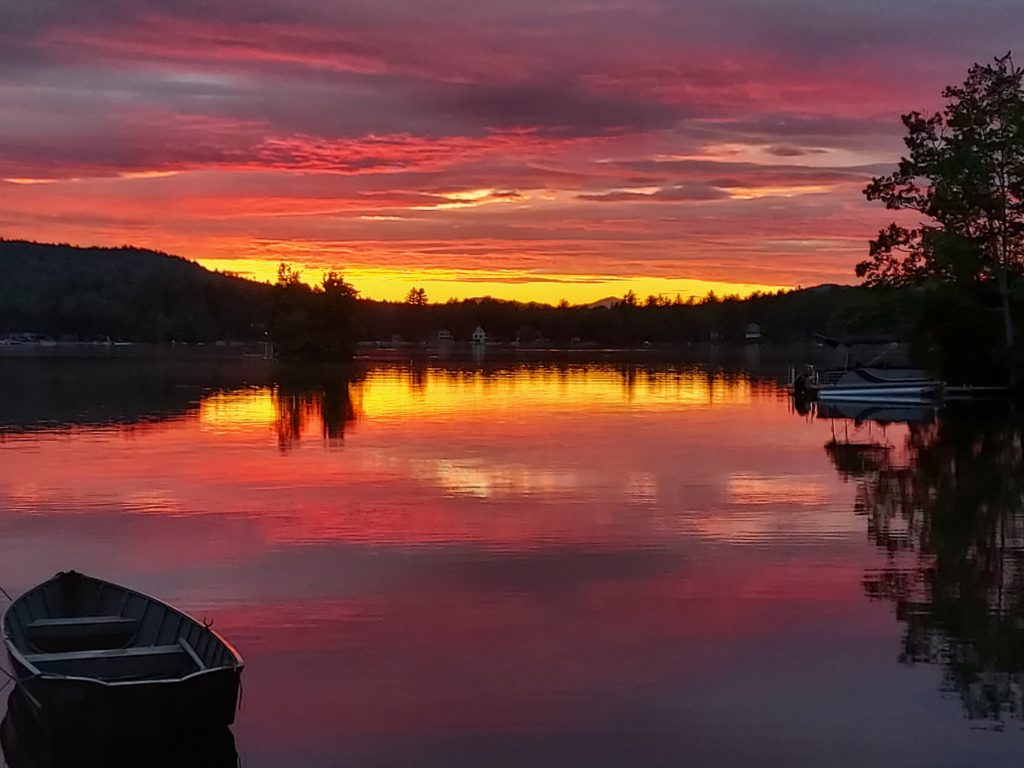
(531, 149)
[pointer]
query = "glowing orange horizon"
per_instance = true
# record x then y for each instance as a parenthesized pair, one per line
(443, 285)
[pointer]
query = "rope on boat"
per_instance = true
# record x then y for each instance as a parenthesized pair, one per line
(4, 593)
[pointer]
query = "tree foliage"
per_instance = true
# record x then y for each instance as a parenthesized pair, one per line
(964, 176)
(313, 322)
(126, 294)
(416, 297)
(784, 317)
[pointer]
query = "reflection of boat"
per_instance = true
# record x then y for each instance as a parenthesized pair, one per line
(859, 382)
(883, 413)
(857, 459)
(27, 745)
(88, 654)
(865, 454)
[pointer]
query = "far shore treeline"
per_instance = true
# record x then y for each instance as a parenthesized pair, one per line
(70, 293)
(130, 294)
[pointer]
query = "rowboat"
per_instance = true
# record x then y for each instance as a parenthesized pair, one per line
(89, 655)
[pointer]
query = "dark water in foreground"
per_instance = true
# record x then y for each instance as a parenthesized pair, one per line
(536, 566)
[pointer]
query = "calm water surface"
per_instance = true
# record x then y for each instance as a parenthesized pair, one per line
(544, 566)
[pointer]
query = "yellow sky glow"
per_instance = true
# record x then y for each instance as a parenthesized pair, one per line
(441, 285)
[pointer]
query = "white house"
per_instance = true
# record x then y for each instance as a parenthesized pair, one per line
(444, 336)
(753, 332)
(479, 337)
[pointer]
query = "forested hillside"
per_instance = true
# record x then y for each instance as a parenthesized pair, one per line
(126, 294)
(132, 294)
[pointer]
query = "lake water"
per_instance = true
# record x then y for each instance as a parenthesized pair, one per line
(576, 565)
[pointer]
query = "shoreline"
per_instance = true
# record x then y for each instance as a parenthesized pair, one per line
(370, 352)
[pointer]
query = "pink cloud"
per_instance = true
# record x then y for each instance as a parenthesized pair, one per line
(697, 139)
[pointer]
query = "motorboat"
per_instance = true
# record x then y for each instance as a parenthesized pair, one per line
(888, 385)
(870, 382)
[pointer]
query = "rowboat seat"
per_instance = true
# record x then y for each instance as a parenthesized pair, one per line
(114, 653)
(80, 633)
(144, 662)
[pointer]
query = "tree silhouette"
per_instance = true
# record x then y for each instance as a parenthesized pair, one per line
(337, 307)
(964, 174)
(288, 275)
(314, 323)
(416, 297)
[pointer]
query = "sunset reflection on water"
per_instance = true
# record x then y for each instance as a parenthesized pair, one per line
(526, 565)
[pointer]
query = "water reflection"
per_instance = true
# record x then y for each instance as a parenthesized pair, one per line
(28, 744)
(944, 502)
(326, 397)
(42, 394)
(50, 395)
(544, 565)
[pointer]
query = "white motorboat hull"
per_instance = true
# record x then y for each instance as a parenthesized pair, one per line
(881, 394)
(875, 386)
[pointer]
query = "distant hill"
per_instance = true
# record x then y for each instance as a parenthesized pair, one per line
(606, 303)
(125, 293)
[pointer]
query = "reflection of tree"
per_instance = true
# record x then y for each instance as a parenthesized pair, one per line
(951, 521)
(418, 379)
(302, 396)
(629, 374)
